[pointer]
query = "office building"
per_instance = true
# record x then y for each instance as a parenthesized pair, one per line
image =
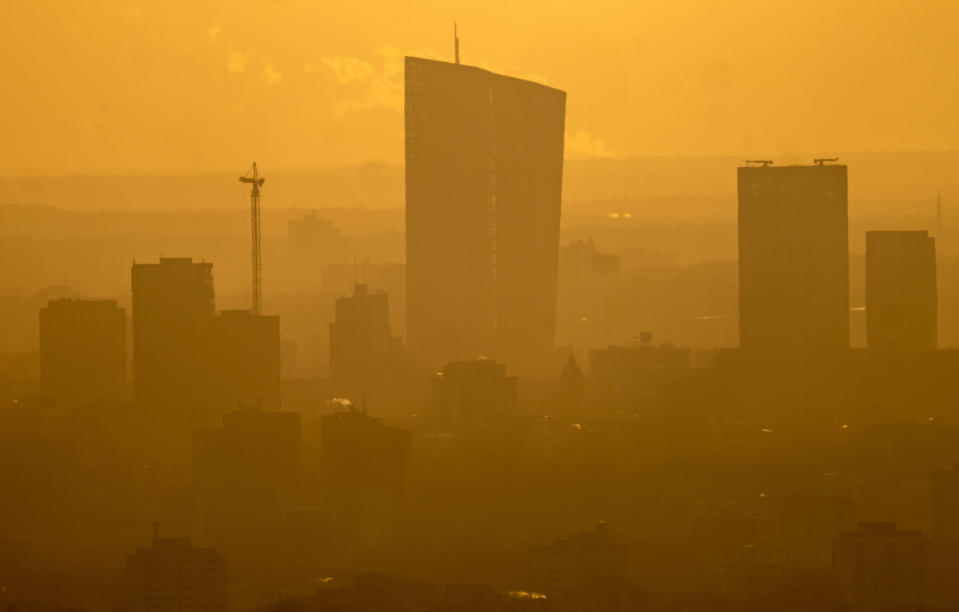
(474, 394)
(248, 470)
(313, 244)
(363, 478)
(243, 362)
(945, 505)
(172, 306)
(944, 511)
(901, 303)
(623, 377)
(484, 163)
(793, 258)
(802, 525)
(365, 358)
(881, 568)
(173, 576)
(589, 282)
(83, 354)
(585, 572)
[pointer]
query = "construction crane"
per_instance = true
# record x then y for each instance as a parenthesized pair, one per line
(939, 250)
(256, 181)
(762, 162)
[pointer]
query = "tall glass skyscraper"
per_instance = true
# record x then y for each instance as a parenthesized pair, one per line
(484, 170)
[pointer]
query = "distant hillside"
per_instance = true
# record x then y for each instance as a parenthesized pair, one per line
(888, 177)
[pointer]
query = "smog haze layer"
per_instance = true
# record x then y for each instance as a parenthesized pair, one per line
(145, 87)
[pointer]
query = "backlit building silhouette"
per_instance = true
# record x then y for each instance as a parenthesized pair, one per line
(173, 576)
(83, 350)
(901, 308)
(793, 258)
(879, 567)
(584, 572)
(945, 505)
(172, 306)
(484, 165)
(248, 469)
(363, 477)
(365, 358)
(313, 244)
(243, 361)
(190, 363)
(474, 394)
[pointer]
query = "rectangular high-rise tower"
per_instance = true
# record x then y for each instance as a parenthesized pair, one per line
(172, 308)
(793, 258)
(241, 362)
(901, 290)
(484, 168)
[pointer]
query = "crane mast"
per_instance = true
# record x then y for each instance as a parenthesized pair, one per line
(255, 181)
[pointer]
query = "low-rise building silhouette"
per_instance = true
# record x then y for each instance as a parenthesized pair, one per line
(173, 576)
(945, 505)
(247, 472)
(363, 477)
(881, 568)
(621, 378)
(802, 527)
(474, 394)
(586, 572)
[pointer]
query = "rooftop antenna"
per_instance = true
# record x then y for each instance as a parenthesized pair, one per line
(456, 44)
(354, 271)
(256, 181)
(762, 162)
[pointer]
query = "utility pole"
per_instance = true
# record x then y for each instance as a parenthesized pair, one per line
(256, 181)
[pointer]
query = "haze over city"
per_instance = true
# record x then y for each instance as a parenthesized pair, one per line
(138, 87)
(491, 306)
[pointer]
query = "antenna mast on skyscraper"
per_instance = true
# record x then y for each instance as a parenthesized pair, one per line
(256, 181)
(456, 44)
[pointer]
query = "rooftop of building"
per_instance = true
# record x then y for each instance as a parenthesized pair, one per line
(458, 66)
(832, 162)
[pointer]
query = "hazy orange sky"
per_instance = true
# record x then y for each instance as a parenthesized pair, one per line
(174, 86)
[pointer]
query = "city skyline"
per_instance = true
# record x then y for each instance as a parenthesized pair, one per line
(522, 371)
